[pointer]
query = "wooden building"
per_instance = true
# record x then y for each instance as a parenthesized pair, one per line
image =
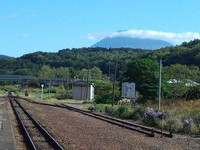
(82, 90)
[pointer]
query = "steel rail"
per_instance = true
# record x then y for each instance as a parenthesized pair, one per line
(31, 143)
(122, 121)
(129, 125)
(51, 140)
(115, 122)
(109, 120)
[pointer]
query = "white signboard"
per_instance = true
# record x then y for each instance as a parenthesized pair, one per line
(128, 90)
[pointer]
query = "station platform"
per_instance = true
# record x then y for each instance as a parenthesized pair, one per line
(7, 141)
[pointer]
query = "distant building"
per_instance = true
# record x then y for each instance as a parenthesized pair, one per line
(53, 81)
(82, 90)
(186, 82)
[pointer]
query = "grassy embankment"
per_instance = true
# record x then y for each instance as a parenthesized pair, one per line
(175, 112)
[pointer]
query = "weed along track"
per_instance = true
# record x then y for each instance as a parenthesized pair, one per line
(151, 132)
(36, 135)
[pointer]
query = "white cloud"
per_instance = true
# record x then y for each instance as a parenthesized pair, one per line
(95, 36)
(174, 38)
(90, 36)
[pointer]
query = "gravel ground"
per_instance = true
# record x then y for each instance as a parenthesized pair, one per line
(19, 138)
(76, 131)
(19, 141)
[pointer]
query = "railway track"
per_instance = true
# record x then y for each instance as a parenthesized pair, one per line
(125, 124)
(36, 136)
(129, 125)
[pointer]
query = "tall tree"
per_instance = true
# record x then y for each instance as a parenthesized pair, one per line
(96, 73)
(46, 72)
(144, 72)
(61, 72)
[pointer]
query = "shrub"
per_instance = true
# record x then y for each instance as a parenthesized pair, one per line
(123, 112)
(63, 96)
(195, 129)
(122, 109)
(152, 121)
(173, 123)
(127, 115)
(156, 114)
(120, 112)
(196, 115)
(139, 113)
(104, 98)
(94, 107)
(110, 110)
(153, 118)
(103, 92)
(9, 88)
(52, 90)
(153, 114)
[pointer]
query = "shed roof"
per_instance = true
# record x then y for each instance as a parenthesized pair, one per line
(82, 82)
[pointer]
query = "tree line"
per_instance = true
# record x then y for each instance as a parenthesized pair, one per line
(181, 64)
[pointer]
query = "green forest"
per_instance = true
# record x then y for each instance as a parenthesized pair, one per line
(180, 64)
(188, 53)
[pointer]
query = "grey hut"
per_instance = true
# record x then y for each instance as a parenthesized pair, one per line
(82, 90)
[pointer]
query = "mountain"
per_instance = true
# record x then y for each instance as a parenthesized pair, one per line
(118, 42)
(3, 56)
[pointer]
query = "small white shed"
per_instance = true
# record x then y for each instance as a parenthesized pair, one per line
(82, 90)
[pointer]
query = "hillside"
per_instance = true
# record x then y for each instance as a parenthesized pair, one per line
(188, 53)
(3, 56)
(74, 59)
(118, 42)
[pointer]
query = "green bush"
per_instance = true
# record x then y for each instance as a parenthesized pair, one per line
(124, 112)
(120, 112)
(195, 114)
(173, 123)
(110, 110)
(61, 96)
(104, 98)
(139, 113)
(127, 115)
(9, 88)
(122, 109)
(103, 92)
(52, 90)
(61, 92)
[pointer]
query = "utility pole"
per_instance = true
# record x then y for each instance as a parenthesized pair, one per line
(109, 72)
(67, 83)
(87, 93)
(113, 90)
(159, 84)
(49, 91)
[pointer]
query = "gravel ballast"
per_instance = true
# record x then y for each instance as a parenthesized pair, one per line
(76, 131)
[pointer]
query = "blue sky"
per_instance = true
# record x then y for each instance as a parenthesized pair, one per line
(28, 26)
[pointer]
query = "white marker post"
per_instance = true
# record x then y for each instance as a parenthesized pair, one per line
(42, 85)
